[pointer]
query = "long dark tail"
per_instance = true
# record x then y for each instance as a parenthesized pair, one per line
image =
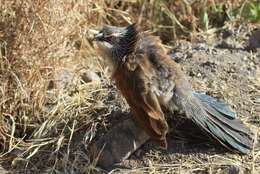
(218, 120)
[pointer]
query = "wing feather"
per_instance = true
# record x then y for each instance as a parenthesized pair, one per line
(135, 85)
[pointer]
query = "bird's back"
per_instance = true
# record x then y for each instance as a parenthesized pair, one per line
(166, 72)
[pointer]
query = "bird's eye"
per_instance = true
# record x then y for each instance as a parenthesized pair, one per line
(109, 38)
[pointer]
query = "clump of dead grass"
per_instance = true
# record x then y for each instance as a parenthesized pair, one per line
(38, 39)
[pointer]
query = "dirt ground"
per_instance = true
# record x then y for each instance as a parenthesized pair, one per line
(225, 70)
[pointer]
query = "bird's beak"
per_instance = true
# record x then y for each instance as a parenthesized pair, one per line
(98, 37)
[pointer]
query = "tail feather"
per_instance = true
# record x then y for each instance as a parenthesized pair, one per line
(217, 120)
(236, 124)
(221, 107)
(228, 140)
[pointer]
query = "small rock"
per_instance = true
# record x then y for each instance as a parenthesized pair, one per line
(254, 41)
(257, 100)
(63, 79)
(90, 76)
(201, 46)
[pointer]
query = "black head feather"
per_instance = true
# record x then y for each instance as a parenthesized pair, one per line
(127, 42)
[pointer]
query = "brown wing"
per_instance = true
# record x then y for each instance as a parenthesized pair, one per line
(135, 85)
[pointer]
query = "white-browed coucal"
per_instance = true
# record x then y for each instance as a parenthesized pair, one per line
(150, 80)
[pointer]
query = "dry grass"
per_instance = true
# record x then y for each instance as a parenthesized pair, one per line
(41, 40)
(38, 40)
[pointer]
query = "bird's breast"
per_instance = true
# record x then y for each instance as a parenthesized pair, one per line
(163, 88)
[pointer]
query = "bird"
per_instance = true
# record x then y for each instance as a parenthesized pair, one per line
(152, 82)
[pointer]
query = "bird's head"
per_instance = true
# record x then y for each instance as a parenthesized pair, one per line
(115, 43)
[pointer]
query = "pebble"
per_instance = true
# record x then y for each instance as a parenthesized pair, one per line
(64, 78)
(90, 76)
(254, 40)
